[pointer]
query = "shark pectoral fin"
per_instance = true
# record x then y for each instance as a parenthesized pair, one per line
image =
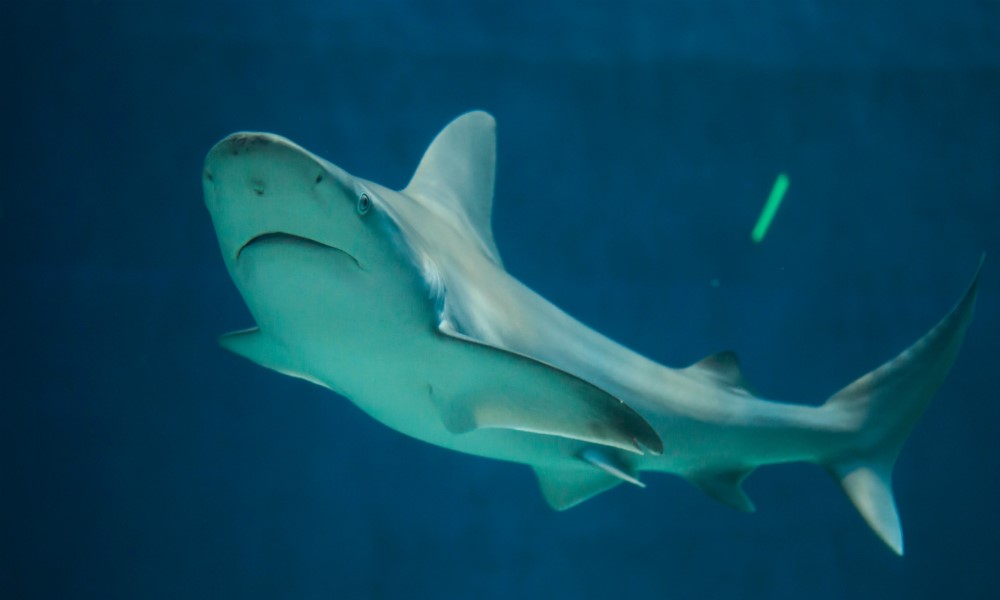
(726, 487)
(565, 487)
(252, 345)
(496, 388)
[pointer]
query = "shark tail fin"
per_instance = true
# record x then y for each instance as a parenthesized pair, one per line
(882, 408)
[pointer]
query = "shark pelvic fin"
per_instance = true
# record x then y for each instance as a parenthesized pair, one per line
(457, 174)
(496, 388)
(882, 407)
(599, 470)
(726, 487)
(723, 367)
(565, 487)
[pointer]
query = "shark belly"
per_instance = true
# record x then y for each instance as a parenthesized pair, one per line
(408, 384)
(383, 352)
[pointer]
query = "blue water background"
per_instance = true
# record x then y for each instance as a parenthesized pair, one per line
(637, 143)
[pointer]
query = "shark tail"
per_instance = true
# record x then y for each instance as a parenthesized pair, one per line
(882, 408)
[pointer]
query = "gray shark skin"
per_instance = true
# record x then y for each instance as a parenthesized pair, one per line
(399, 301)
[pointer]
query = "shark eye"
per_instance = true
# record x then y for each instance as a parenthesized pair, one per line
(364, 203)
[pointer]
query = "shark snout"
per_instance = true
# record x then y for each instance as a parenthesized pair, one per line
(249, 150)
(238, 142)
(247, 164)
(246, 142)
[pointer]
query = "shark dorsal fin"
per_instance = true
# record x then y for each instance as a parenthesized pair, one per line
(723, 367)
(457, 174)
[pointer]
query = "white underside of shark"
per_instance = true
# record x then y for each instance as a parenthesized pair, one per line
(399, 301)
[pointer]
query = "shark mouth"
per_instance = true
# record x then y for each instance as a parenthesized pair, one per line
(291, 239)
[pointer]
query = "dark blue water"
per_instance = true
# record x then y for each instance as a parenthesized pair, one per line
(637, 144)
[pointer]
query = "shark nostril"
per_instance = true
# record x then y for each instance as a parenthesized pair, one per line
(258, 186)
(208, 175)
(236, 144)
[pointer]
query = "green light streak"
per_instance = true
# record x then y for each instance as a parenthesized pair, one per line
(770, 208)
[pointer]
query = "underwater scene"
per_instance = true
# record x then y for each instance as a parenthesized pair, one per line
(486, 299)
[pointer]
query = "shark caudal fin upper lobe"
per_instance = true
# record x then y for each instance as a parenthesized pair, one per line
(883, 406)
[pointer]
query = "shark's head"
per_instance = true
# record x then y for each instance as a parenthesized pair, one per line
(302, 237)
(306, 241)
(265, 192)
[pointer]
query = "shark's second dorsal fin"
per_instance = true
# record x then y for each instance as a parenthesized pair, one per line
(457, 174)
(723, 367)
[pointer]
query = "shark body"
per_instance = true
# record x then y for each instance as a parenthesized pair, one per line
(399, 301)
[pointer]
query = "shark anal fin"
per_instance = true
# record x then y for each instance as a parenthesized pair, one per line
(252, 345)
(565, 487)
(491, 387)
(726, 487)
(610, 464)
(723, 367)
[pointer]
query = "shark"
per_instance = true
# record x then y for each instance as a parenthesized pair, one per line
(398, 300)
